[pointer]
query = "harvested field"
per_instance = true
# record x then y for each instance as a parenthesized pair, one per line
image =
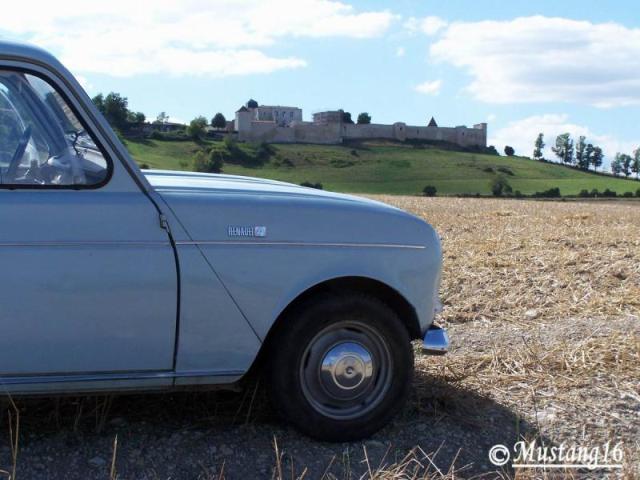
(543, 306)
(542, 302)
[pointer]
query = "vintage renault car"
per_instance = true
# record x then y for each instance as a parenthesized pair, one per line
(116, 279)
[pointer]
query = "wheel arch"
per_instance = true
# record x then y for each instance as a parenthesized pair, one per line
(355, 284)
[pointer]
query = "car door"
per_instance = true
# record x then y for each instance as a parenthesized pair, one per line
(88, 279)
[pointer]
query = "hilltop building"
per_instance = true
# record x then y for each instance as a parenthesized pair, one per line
(280, 115)
(325, 118)
(279, 124)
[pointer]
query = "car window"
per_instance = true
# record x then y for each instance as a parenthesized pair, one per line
(42, 143)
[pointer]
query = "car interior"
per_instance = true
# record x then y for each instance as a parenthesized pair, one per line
(42, 143)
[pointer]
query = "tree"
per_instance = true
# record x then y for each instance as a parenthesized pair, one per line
(539, 146)
(346, 117)
(252, 103)
(116, 110)
(582, 159)
(564, 148)
(509, 151)
(430, 191)
(197, 128)
(364, 118)
(500, 185)
(625, 162)
(588, 155)
(98, 101)
(136, 117)
(597, 158)
(218, 121)
(616, 165)
(162, 118)
(635, 166)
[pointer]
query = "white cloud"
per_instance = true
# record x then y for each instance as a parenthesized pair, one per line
(184, 37)
(429, 87)
(428, 25)
(400, 52)
(540, 59)
(521, 135)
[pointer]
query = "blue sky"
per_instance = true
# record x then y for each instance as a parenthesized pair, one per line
(523, 67)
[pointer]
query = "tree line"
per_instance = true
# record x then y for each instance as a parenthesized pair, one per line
(583, 155)
(115, 109)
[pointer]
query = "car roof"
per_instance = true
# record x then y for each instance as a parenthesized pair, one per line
(25, 51)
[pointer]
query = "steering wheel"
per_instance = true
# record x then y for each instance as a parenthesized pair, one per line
(12, 170)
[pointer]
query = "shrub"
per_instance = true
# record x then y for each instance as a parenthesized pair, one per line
(197, 128)
(518, 194)
(355, 153)
(208, 163)
(200, 162)
(509, 151)
(584, 193)
(638, 193)
(627, 194)
(144, 166)
(317, 186)
(340, 163)
(609, 193)
(500, 186)
(174, 135)
(233, 153)
(491, 150)
(595, 192)
(488, 170)
(230, 143)
(216, 162)
(264, 151)
(551, 193)
(429, 191)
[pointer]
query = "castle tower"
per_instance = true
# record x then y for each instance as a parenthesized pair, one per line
(483, 128)
(243, 122)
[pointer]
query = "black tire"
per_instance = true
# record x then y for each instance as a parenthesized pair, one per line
(326, 331)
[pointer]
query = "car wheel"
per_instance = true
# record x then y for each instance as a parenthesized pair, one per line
(341, 367)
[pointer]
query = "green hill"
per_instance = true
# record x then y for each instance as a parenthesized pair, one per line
(378, 167)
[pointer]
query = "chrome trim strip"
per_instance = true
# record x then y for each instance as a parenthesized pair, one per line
(299, 244)
(209, 373)
(87, 244)
(97, 377)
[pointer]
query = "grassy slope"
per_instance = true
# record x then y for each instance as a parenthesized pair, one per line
(389, 168)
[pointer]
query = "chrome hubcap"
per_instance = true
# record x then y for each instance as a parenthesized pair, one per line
(346, 370)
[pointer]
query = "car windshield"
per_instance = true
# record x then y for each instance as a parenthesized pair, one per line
(42, 142)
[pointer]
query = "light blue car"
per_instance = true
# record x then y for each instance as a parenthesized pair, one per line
(113, 279)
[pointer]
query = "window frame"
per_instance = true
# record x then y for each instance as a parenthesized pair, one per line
(108, 160)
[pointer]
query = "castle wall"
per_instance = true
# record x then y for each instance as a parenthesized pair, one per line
(312, 133)
(372, 130)
(296, 133)
(462, 136)
(250, 130)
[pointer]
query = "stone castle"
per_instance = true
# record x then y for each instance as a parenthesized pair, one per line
(279, 124)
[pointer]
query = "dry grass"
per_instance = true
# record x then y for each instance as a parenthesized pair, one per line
(542, 300)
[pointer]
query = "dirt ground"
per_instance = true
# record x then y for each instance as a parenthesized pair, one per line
(542, 303)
